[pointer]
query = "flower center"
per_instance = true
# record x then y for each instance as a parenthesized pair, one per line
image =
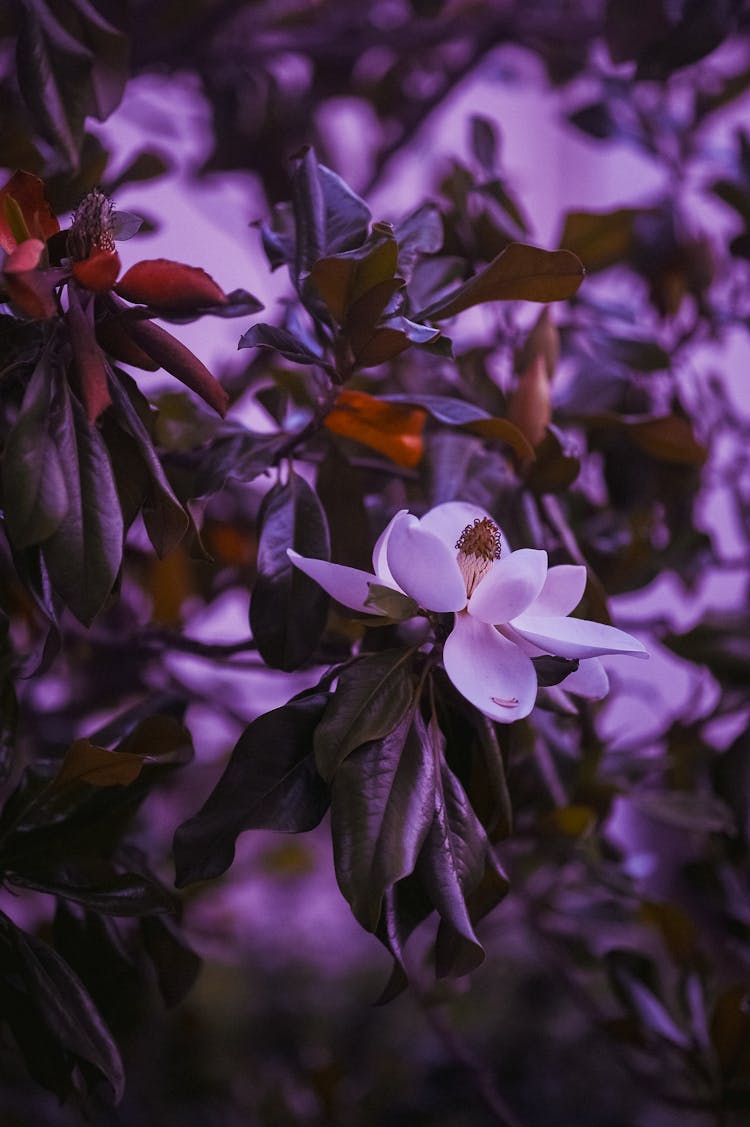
(478, 548)
(91, 229)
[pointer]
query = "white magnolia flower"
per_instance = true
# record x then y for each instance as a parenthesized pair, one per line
(508, 608)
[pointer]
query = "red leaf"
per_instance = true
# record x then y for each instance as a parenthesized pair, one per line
(114, 338)
(175, 358)
(98, 272)
(390, 428)
(170, 285)
(29, 289)
(27, 194)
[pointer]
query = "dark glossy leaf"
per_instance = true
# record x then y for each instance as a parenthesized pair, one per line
(283, 342)
(35, 493)
(83, 555)
(270, 782)
(372, 697)
(420, 233)
(94, 884)
(451, 861)
(518, 273)
(391, 338)
(454, 412)
(287, 609)
(164, 517)
(347, 216)
(176, 965)
(309, 215)
(240, 454)
(382, 805)
(53, 79)
(345, 279)
(67, 1009)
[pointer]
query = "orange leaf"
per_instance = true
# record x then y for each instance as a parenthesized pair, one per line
(390, 428)
(27, 194)
(99, 271)
(170, 285)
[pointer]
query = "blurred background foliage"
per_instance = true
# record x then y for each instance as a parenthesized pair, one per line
(617, 984)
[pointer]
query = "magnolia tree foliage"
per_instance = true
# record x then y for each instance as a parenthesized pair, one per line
(430, 532)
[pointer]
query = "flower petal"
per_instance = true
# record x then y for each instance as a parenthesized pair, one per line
(576, 637)
(347, 585)
(450, 519)
(380, 552)
(424, 566)
(590, 680)
(513, 583)
(562, 591)
(489, 670)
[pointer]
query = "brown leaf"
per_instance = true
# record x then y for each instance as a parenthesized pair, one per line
(518, 273)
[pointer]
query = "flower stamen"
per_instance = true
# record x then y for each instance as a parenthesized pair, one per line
(478, 548)
(91, 229)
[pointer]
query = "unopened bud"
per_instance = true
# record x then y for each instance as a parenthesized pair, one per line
(530, 405)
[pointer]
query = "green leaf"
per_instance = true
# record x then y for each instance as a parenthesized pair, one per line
(601, 239)
(372, 697)
(392, 603)
(35, 493)
(382, 805)
(270, 782)
(287, 609)
(83, 555)
(67, 1009)
(518, 273)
